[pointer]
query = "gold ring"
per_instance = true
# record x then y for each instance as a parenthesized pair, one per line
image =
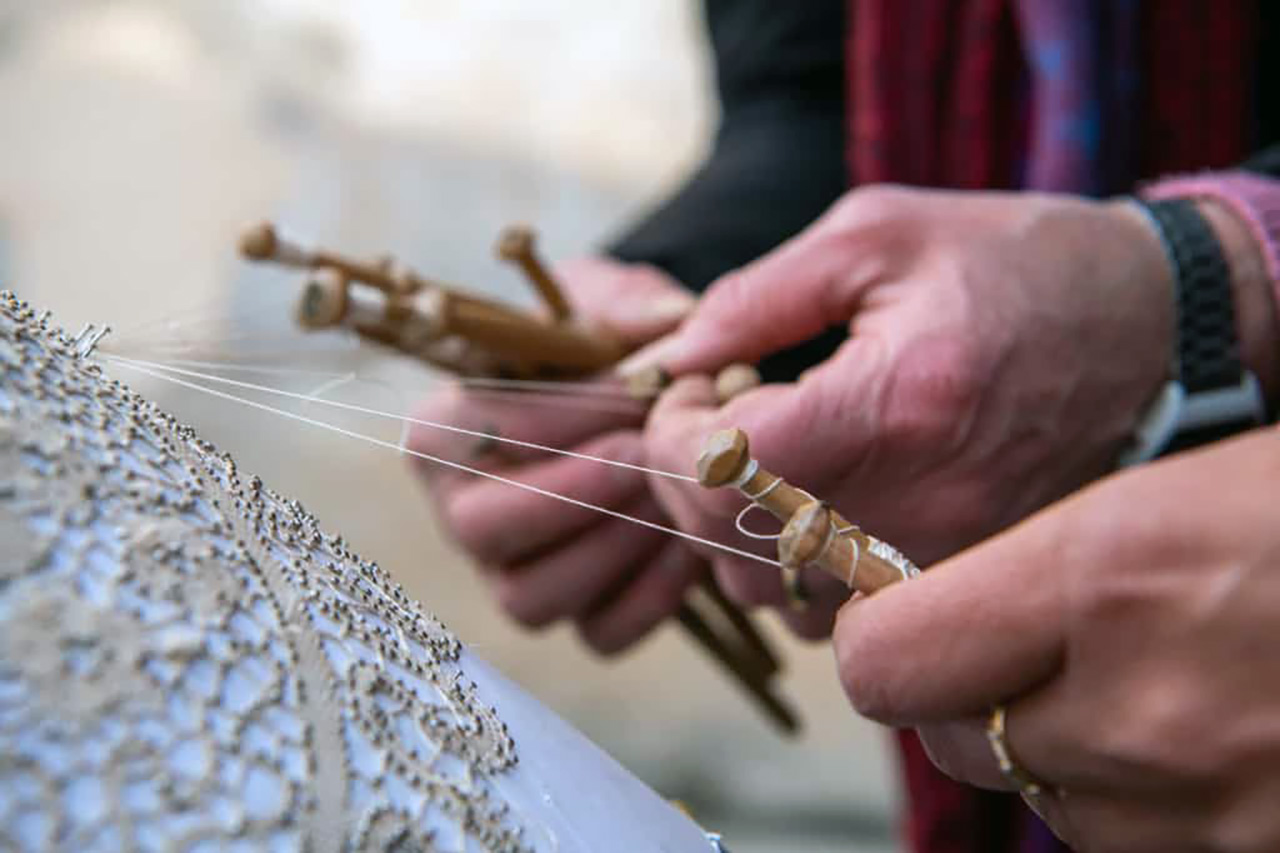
(1028, 786)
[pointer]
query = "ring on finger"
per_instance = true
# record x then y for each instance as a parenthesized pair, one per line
(1027, 784)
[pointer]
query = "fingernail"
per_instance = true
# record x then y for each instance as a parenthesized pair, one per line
(649, 357)
(668, 309)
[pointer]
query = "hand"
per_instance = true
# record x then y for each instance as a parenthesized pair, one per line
(547, 560)
(1002, 348)
(1131, 632)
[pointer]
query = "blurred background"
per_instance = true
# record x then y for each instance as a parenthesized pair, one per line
(137, 138)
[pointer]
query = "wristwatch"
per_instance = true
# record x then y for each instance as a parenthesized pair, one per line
(1211, 394)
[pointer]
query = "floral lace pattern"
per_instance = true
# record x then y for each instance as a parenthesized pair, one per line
(188, 662)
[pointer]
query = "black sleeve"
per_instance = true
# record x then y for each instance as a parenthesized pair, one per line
(778, 158)
(1265, 162)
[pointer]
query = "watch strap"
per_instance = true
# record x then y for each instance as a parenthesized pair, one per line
(1208, 354)
(1211, 394)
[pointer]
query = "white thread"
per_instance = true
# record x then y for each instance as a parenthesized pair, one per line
(139, 364)
(748, 471)
(729, 549)
(242, 367)
(576, 389)
(857, 558)
(330, 385)
(738, 523)
(763, 493)
(604, 405)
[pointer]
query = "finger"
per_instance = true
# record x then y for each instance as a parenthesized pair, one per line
(802, 430)
(633, 302)
(795, 431)
(970, 632)
(790, 295)
(1088, 821)
(775, 420)
(961, 749)
(656, 593)
(568, 581)
(815, 618)
(501, 523)
(524, 418)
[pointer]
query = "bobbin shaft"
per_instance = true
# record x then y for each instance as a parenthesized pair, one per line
(523, 343)
(517, 245)
(814, 534)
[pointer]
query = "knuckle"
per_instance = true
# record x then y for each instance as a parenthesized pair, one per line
(1163, 735)
(872, 202)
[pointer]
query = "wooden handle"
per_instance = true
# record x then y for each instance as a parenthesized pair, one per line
(812, 537)
(516, 245)
(555, 348)
(814, 534)
(262, 242)
(733, 380)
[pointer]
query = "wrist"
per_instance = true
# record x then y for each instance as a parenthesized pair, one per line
(1252, 292)
(1214, 391)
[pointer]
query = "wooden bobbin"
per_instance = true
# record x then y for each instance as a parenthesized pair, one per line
(324, 301)
(524, 344)
(262, 242)
(814, 534)
(733, 380)
(516, 245)
(812, 537)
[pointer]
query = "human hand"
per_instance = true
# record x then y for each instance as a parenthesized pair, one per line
(1130, 631)
(1002, 347)
(544, 559)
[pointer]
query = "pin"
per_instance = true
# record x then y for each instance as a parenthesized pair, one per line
(85, 342)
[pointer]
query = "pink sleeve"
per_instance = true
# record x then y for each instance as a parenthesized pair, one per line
(1254, 198)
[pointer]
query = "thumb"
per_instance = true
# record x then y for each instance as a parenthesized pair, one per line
(632, 302)
(790, 295)
(970, 632)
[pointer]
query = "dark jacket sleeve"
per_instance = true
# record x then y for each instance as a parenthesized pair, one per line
(778, 158)
(1265, 162)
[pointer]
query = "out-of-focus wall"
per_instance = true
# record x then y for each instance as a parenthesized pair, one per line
(138, 136)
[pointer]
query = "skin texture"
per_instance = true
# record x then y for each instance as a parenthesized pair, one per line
(1003, 347)
(1131, 632)
(545, 560)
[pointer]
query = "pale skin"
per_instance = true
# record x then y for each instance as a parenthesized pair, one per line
(1003, 346)
(1130, 630)
(544, 560)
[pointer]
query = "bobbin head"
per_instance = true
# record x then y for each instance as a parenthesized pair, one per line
(259, 242)
(723, 458)
(805, 535)
(516, 242)
(648, 383)
(324, 300)
(734, 380)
